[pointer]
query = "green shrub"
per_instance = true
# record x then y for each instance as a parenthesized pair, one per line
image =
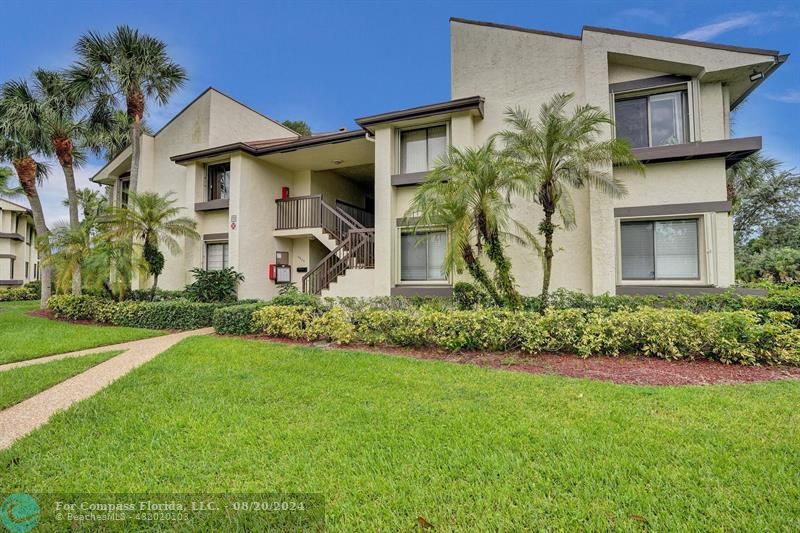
(334, 325)
(291, 296)
(283, 320)
(470, 296)
(73, 307)
(214, 285)
(144, 295)
(236, 319)
(14, 294)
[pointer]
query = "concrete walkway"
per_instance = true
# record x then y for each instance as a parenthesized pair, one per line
(22, 418)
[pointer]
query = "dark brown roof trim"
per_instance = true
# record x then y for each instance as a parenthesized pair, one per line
(8, 256)
(450, 106)
(414, 178)
(290, 146)
(515, 28)
(12, 236)
(215, 236)
(733, 150)
(780, 60)
(677, 40)
(723, 206)
(647, 83)
(212, 205)
(27, 209)
(11, 282)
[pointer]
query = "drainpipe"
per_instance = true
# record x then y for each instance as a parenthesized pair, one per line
(367, 137)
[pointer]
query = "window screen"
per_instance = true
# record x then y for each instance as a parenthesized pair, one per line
(662, 249)
(422, 256)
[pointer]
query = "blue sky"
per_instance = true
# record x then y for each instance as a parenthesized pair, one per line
(328, 62)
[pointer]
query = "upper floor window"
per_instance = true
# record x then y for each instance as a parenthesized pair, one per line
(660, 249)
(420, 148)
(219, 176)
(653, 120)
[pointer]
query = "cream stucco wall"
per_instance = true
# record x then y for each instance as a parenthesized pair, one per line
(14, 220)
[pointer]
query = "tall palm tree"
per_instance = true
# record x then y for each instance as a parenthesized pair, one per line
(51, 113)
(559, 152)
(152, 220)
(19, 150)
(469, 191)
(125, 65)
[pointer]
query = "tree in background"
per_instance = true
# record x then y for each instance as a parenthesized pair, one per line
(469, 192)
(766, 219)
(300, 126)
(125, 64)
(6, 189)
(560, 152)
(48, 110)
(151, 220)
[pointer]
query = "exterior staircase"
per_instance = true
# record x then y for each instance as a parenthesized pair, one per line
(351, 245)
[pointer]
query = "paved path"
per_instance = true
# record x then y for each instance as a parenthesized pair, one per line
(22, 418)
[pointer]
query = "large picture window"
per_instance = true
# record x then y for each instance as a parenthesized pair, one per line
(660, 249)
(653, 120)
(216, 255)
(420, 148)
(422, 255)
(218, 181)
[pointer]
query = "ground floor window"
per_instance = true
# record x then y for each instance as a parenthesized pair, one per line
(216, 255)
(660, 250)
(422, 255)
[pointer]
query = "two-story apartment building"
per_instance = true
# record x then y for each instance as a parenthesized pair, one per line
(19, 262)
(332, 208)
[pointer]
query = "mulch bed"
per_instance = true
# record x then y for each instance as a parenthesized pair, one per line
(626, 369)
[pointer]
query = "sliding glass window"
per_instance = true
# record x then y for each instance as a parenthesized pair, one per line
(653, 120)
(660, 250)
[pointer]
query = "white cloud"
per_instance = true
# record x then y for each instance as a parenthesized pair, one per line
(709, 31)
(792, 96)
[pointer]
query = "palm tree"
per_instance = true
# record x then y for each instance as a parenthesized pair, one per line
(560, 152)
(151, 220)
(5, 183)
(18, 149)
(469, 191)
(50, 113)
(125, 64)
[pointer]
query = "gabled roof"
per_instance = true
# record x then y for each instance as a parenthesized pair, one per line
(449, 106)
(271, 146)
(15, 206)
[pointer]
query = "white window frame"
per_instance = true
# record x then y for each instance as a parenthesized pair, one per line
(704, 223)
(206, 244)
(398, 141)
(691, 104)
(398, 247)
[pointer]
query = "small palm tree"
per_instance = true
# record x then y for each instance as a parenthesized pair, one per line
(559, 152)
(151, 220)
(469, 191)
(125, 64)
(49, 111)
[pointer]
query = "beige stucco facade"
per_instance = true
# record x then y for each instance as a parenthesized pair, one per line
(357, 173)
(19, 261)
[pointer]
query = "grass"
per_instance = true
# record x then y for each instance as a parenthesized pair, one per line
(21, 383)
(26, 337)
(387, 439)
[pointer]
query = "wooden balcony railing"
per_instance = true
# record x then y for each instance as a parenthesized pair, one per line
(357, 250)
(312, 212)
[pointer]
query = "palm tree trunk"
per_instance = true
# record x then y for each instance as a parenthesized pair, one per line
(546, 229)
(503, 277)
(479, 274)
(135, 102)
(26, 172)
(64, 151)
(153, 288)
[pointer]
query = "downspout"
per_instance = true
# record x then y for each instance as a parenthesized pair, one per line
(368, 137)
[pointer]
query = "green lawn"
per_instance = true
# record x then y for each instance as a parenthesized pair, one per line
(21, 383)
(386, 439)
(27, 337)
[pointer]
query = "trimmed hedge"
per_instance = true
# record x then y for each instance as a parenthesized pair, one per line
(16, 294)
(728, 336)
(172, 314)
(236, 319)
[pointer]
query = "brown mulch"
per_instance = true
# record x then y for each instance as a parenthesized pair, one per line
(625, 369)
(48, 314)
